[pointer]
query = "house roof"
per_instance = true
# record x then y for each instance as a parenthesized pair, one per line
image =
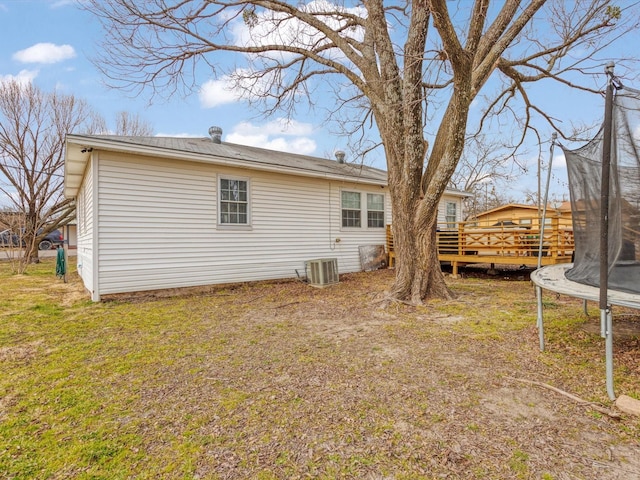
(79, 148)
(510, 206)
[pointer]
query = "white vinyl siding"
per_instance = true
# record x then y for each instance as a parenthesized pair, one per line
(85, 241)
(158, 222)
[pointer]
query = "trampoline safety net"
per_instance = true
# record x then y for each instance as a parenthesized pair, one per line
(584, 167)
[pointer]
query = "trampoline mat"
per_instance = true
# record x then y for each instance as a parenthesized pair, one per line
(624, 277)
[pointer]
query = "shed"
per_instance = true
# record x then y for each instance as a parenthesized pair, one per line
(522, 215)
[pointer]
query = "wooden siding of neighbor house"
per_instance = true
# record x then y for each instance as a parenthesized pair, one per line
(158, 225)
(523, 215)
(85, 238)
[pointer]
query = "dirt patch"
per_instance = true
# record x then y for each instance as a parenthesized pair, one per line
(350, 380)
(623, 328)
(21, 353)
(279, 380)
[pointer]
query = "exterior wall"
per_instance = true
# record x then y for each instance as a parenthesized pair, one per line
(523, 215)
(85, 229)
(158, 225)
(513, 214)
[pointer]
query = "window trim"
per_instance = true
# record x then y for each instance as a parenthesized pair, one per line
(451, 224)
(377, 211)
(342, 209)
(364, 210)
(233, 226)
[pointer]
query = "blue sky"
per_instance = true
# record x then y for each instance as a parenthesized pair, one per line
(50, 42)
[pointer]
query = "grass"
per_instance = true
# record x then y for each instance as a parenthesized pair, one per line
(280, 380)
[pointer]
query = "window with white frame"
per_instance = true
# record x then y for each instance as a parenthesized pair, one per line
(234, 201)
(375, 210)
(451, 214)
(351, 209)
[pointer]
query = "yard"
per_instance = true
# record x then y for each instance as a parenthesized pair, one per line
(279, 380)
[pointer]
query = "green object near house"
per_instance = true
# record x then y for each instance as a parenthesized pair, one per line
(61, 264)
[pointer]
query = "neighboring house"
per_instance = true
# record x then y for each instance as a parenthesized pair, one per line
(522, 215)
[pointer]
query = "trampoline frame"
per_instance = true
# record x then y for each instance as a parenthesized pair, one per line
(553, 278)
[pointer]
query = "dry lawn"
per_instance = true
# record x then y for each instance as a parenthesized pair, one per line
(279, 380)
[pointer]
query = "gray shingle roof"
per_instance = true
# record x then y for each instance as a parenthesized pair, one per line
(244, 155)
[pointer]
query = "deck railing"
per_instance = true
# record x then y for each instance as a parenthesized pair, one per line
(506, 240)
(510, 240)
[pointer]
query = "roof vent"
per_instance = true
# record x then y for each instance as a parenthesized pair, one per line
(339, 156)
(216, 134)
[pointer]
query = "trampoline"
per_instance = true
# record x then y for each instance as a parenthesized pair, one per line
(604, 186)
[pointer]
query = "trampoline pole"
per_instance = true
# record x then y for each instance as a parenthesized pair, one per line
(606, 324)
(543, 219)
(540, 318)
(608, 320)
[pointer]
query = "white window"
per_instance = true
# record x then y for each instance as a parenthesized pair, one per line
(356, 213)
(234, 201)
(351, 210)
(451, 214)
(375, 210)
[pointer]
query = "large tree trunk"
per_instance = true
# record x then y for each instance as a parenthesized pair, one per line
(415, 206)
(415, 216)
(418, 273)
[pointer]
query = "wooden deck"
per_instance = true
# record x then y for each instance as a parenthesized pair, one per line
(502, 245)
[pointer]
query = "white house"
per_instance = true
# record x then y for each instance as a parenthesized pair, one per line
(157, 212)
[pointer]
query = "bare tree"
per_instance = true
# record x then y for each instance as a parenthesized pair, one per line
(126, 123)
(408, 68)
(484, 167)
(33, 125)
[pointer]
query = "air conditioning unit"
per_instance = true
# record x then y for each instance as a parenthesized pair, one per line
(322, 272)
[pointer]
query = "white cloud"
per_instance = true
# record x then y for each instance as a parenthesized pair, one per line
(241, 84)
(23, 77)
(279, 134)
(45, 53)
(559, 162)
(218, 92)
